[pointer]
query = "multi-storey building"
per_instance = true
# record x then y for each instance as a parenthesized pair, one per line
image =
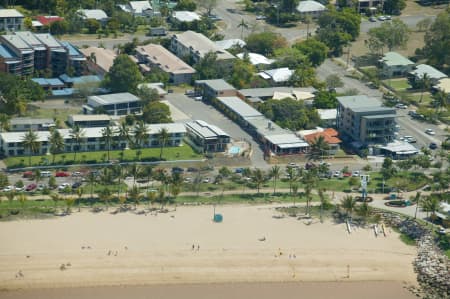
(10, 20)
(19, 58)
(113, 104)
(208, 137)
(365, 120)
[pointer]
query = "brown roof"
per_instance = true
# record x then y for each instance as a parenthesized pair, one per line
(104, 57)
(330, 136)
(168, 62)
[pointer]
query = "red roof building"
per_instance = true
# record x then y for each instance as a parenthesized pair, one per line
(46, 20)
(330, 137)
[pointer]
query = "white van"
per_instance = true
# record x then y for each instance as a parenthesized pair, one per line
(46, 174)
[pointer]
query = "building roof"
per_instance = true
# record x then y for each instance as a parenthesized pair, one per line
(239, 107)
(165, 60)
(139, 6)
(52, 82)
(277, 75)
(395, 59)
(77, 80)
(30, 39)
(36, 24)
(89, 117)
(6, 53)
(432, 73)
(45, 20)
(256, 58)
(443, 85)
(216, 84)
(31, 121)
(96, 14)
(229, 43)
(64, 92)
(15, 137)
(114, 98)
(186, 16)
(329, 135)
(326, 114)
(10, 13)
(400, 147)
(48, 40)
(287, 140)
(104, 58)
(17, 42)
(310, 6)
(358, 101)
(73, 50)
(159, 87)
(379, 109)
(201, 44)
(381, 116)
(205, 130)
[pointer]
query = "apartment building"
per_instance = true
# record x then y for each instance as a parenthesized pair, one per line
(21, 124)
(364, 120)
(206, 136)
(99, 60)
(159, 57)
(210, 89)
(10, 20)
(196, 45)
(19, 55)
(11, 143)
(113, 104)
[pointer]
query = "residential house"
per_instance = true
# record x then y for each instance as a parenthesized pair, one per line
(310, 8)
(179, 17)
(422, 70)
(11, 143)
(210, 89)
(278, 76)
(273, 138)
(89, 120)
(443, 85)
(99, 60)
(138, 8)
(367, 6)
(113, 104)
(393, 64)
(276, 92)
(94, 14)
(22, 124)
(57, 54)
(207, 137)
(11, 20)
(258, 60)
(364, 120)
(329, 135)
(157, 56)
(327, 117)
(196, 45)
(47, 20)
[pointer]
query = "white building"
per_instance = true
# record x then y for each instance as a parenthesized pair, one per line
(11, 143)
(10, 20)
(113, 104)
(395, 65)
(208, 137)
(185, 16)
(421, 70)
(277, 76)
(26, 123)
(310, 8)
(256, 59)
(96, 14)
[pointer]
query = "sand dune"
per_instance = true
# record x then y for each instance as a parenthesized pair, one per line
(128, 249)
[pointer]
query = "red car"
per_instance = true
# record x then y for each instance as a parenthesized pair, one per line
(31, 187)
(60, 174)
(347, 174)
(28, 174)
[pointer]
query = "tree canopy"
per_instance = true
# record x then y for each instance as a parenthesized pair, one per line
(124, 75)
(393, 7)
(392, 35)
(265, 43)
(209, 68)
(325, 100)
(315, 50)
(437, 41)
(289, 113)
(156, 112)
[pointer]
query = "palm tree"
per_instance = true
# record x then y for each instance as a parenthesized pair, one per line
(80, 192)
(37, 176)
(91, 180)
(55, 197)
(57, 145)
(364, 210)
(77, 135)
(163, 137)
(432, 205)
(69, 203)
(151, 195)
(258, 178)
(441, 100)
(425, 84)
(4, 122)
(147, 172)
(317, 147)
(243, 25)
(10, 196)
(108, 137)
(275, 175)
(30, 143)
(135, 171)
(140, 133)
(349, 204)
(22, 198)
(307, 20)
(323, 202)
(294, 193)
(123, 132)
(105, 195)
(134, 194)
(292, 176)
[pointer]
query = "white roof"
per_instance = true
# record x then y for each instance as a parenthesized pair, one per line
(288, 140)
(205, 130)
(444, 85)
(303, 95)
(277, 75)
(279, 95)
(139, 6)
(201, 44)
(310, 6)
(422, 69)
(96, 14)
(401, 147)
(256, 58)
(239, 106)
(327, 113)
(186, 16)
(114, 98)
(36, 24)
(229, 43)
(88, 117)
(303, 133)
(10, 13)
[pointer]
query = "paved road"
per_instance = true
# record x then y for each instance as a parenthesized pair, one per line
(411, 21)
(199, 110)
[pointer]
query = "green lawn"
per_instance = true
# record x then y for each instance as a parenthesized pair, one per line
(60, 115)
(426, 99)
(184, 152)
(397, 84)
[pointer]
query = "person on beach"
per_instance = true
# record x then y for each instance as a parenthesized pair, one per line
(198, 247)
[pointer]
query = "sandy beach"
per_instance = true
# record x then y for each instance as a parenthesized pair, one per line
(137, 250)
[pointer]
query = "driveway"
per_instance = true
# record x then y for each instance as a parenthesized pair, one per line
(201, 111)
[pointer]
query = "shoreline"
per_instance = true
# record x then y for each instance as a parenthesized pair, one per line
(128, 250)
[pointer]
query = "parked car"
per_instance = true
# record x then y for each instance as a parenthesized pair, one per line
(28, 175)
(192, 169)
(41, 187)
(372, 19)
(401, 106)
(19, 189)
(76, 174)
(187, 180)
(411, 140)
(61, 174)
(337, 173)
(388, 18)
(190, 92)
(433, 146)
(76, 185)
(8, 189)
(292, 165)
(239, 170)
(309, 165)
(199, 98)
(356, 173)
(63, 186)
(206, 180)
(412, 112)
(382, 18)
(430, 132)
(347, 174)
(260, 17)
(31, 187)
(177, 169)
